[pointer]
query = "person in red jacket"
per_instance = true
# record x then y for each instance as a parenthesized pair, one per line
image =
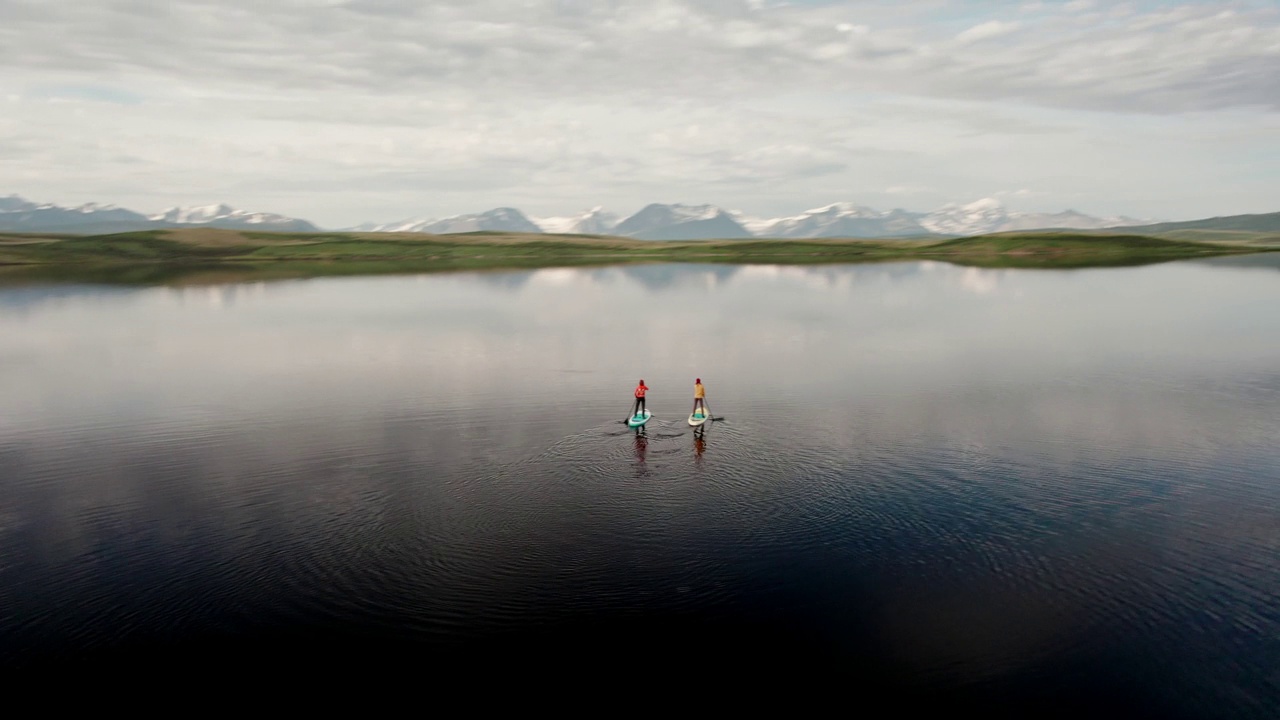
(638, 410)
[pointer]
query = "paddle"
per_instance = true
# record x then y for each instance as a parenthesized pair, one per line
(630, 414)
(707, 409)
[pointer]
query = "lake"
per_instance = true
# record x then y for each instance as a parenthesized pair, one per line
(1013, 488)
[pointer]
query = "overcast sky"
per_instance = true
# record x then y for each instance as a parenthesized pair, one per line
(342, 111)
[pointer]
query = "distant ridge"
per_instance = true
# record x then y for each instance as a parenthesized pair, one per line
(1265, 222)
(19, 215)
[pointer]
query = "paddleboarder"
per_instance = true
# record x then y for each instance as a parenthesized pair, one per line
(641, 389)
(699, 397)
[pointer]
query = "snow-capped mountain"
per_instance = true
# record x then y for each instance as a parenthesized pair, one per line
(843, 220)
(681, 222)
(1067, 219)
(981, 216)
(988, 215)
(19, 215)
(596, 221)
(225, 216)
(496, 220)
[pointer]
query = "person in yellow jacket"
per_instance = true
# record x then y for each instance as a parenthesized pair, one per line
(699, 396)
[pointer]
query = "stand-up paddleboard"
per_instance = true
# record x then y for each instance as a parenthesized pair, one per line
(699, 416)
(638, 420)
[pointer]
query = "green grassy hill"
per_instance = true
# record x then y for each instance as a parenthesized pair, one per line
(205, 251)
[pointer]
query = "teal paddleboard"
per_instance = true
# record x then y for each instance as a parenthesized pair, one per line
(699, 417)
(638, 420)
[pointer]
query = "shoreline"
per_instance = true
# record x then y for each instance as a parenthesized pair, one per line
(212, 255)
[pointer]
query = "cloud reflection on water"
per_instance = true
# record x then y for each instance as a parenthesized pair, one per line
(761, 335)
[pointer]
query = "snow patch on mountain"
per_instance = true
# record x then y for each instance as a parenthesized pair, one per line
(978, 217)
(224, 215)
(754, 224)
(93, 207)
(988, 216)
(408, 225)
(1068, 220)
(496, 220)
(842, 220)
(596, 221)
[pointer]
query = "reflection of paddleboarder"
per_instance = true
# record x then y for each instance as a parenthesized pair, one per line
(639, 468)
(699, 444)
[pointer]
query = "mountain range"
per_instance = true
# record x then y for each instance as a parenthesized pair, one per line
(704, 222)
(653, 222)
(694, 222)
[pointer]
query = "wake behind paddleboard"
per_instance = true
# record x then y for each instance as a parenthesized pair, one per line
(638, 420)
(699, 417)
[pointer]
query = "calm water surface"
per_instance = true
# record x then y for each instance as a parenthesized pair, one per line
(1028, 489)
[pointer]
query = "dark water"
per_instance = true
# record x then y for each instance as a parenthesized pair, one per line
(1025, 490)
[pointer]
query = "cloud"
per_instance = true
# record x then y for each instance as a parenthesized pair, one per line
(1185, 58)
(987, 31)
(588, 98)
(92, 93)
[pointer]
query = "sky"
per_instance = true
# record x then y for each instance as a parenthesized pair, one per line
(346, 111)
